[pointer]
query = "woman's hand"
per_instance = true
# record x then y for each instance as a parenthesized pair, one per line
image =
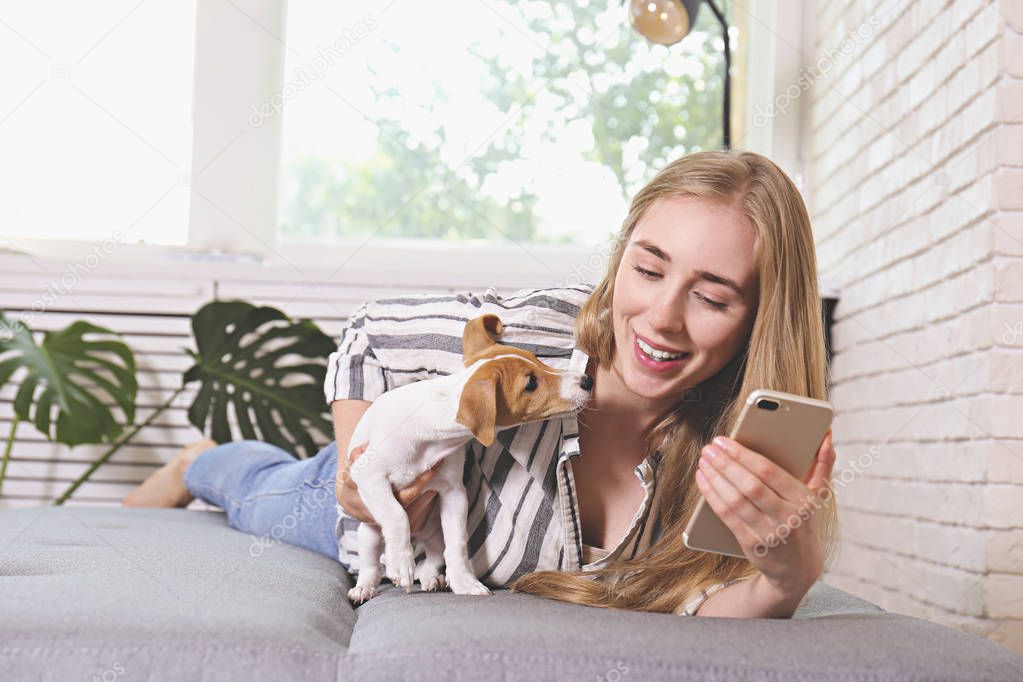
(774, 516)
(416, 503)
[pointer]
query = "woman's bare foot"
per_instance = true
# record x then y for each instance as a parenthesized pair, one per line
(165, 487)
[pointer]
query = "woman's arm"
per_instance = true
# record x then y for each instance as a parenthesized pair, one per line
(347, 414)
(774, 517)
(752, 598)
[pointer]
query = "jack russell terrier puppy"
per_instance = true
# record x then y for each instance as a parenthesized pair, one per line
(414, 427)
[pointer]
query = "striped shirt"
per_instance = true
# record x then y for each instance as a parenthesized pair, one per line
(523, 509)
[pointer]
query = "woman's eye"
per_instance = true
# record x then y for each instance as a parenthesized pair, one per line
(531, 383)
(713, 304)
(716, 305)
(646, 273)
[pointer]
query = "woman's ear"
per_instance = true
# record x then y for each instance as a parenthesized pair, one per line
(477, 409)
(480, 333)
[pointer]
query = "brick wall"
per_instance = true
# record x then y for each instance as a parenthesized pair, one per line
(916, 187)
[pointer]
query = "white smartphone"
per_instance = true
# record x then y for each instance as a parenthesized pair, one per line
(787, 429)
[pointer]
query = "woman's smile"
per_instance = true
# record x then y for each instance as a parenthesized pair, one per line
(655, 364)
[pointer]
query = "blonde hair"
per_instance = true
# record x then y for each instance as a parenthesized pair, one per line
(784, 351)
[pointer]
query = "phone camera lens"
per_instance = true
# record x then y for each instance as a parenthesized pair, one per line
(765, 404)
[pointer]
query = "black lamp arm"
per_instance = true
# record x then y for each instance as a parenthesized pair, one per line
(726, 116)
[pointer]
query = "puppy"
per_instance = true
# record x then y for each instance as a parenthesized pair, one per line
(414, 427)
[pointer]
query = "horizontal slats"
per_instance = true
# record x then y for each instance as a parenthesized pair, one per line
(152, 312)
(153, 315)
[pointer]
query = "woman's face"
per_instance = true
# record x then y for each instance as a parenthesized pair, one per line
(679, 242)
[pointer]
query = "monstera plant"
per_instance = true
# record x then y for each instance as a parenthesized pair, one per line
(266, 368)
(241, 363)
(67, 374)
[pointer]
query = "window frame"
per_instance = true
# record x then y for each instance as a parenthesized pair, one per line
(233, 208)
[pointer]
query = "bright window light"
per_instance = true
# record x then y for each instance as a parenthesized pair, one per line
(466, 120)
(95, 120)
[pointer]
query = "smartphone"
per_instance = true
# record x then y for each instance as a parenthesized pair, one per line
(785, 428)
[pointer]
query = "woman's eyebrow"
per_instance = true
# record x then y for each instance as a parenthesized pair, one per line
(702, 274)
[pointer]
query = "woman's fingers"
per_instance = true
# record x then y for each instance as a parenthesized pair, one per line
(413, 498)
(419, 510)
(780, 481)
(356, 452)
(737, 503)
(823, 465)
(742, 532)
(351, 502)
(751, 486)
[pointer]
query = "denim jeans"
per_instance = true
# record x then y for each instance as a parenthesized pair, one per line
(269, 494)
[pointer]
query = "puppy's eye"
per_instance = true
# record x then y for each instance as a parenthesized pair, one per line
(532, 383)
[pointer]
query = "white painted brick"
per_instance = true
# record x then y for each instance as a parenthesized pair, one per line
(918, 203)
(978, 158)
(1007, 320)
(996, 415)
(940, 461)
(1005, 552)
(982, 30)
(956, 546)
(1007, 233)
(1008, 279)
(1010, 100)
(979, 113)
(1010, 54)
(1012, 11)
(1004, 371)
(877, 319)
(1002, 593)
(1005, 461)
(1003, 506)
(933, 586)
(950, 503)
(1009, 143)
(1008, 633)
(1009, 188)
(962, 12)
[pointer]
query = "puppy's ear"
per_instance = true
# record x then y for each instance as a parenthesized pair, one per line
(480, 333)
(477, 409)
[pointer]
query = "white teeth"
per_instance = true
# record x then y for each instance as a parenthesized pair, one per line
(657, 354)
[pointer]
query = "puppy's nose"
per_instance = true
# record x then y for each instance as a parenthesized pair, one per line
(586, 383)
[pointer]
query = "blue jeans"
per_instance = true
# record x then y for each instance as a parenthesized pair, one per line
(269, 494)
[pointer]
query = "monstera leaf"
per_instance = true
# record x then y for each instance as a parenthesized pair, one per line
(242, 362)
(69, 374)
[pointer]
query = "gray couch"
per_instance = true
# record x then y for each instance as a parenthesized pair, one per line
(134, 594)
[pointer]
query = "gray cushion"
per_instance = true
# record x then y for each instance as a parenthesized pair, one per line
(174, 594)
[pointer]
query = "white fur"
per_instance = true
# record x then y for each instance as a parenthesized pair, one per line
(409, 430)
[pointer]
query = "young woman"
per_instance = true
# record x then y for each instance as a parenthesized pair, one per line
(710, 293)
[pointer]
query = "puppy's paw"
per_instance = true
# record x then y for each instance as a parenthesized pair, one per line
(466, 584)
(361, 593)
(432, 581)
(401, 567)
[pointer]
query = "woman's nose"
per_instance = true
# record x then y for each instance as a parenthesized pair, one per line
(666, 316)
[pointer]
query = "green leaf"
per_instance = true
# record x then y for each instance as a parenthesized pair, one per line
(69, 374)
(265, 369)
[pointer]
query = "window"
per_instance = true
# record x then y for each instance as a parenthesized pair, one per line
(95, 120)
(534, 122)
(271, 130)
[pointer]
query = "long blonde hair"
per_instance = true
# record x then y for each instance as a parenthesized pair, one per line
(784, 351)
